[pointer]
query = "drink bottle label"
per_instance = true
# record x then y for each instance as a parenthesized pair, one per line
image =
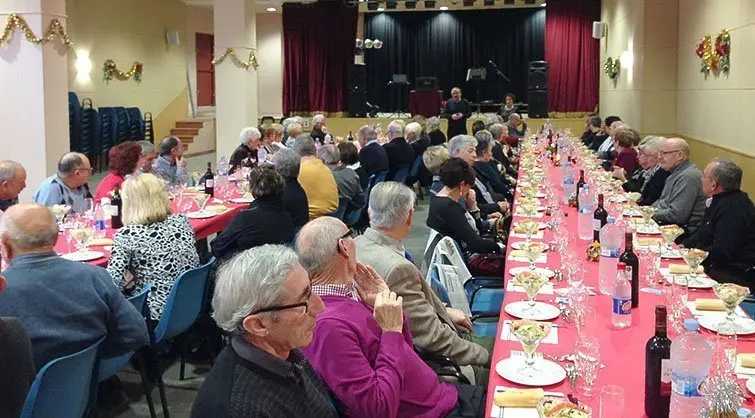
(622, 306)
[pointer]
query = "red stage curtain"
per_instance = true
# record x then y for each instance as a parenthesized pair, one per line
(573, 55)
(318, 49)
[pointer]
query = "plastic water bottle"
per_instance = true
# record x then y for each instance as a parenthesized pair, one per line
(99, 221)
(221, 179)
(585, 216)
(621, 316)
(691, 356)
(569, 185)
(610, 250)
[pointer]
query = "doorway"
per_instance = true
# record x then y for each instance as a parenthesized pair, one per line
(205, 44)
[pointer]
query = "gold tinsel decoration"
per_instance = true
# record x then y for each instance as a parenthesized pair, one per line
(229, 52)
(111, 71)
(55, 30)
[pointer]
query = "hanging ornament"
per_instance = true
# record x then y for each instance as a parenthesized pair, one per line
(359, 43)
(612, 67)
(715, 56)
(368, 43)
(110, 71)
(251, 61)
(377, 44)
(54, 30)
(723, 49)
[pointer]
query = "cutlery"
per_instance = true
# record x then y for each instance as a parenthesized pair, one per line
(572, 374)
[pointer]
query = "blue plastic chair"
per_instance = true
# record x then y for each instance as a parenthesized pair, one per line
(401, 175)
(63, 386)
(378, 177)
(487, 328)
(414, 171)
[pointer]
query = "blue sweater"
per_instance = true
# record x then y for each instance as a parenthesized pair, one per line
(66, 306)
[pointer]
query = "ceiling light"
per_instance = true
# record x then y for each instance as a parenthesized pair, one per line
(443, 7)
(543, 5)
(380, 9)
(410, 4)
(271, 9)
(429, 4)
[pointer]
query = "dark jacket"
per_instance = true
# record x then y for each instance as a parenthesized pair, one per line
(653, 188)
(457, 127)
(488, 174)
(16, 367)
(318, 136)
(252, 227)
(400, 155)
(597, 140)
(424, 175)
(295, 203)
(242, 156)
(373, 158)
(437, 137)
(446, 216)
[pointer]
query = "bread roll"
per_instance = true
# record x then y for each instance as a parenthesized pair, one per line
(683, 269)
(705, 304)
(519, 398)
(747, 360)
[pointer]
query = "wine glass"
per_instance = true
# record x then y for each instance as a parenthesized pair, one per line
(533, 250)
(529, 228)
(693, 257)
(82, 232)
(647, 214)
(675, 295)
(530, 333)
(670, 233)
(731, 295)
(532, 282)
(60, 212)
(587, 363)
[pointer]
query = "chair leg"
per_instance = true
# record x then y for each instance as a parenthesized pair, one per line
(145, 384)
(160, 383)
(184, 349)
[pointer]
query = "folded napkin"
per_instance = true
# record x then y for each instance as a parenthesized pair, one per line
(683, 269)
(646, 242)
(517, 254)
(519, 398)
(215, 208)
(101, 241)
(709, 304)
(745, 360)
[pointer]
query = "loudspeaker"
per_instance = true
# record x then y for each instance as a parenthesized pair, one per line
(538, 77)
(537, 103)
(357, 104)
(598, 30)
(172, 37)
(357, 78)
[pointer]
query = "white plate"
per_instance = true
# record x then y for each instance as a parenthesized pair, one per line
(699, 281)
(673, 254)
(200, 214)
(83, 255)
(549, 373)
(518, 245)
(243, 200)
(522, 310)
(540, 270)
(750, 384)
(540, 226)
(745, 326)
(632, 213)
(648, 230)
(619, 198)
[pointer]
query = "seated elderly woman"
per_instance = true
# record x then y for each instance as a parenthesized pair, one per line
(251, 227)
(650, 179)
(124, 158)
(625, 162)
(153, 246)
(347, 180)
(433, 158)
(437, 137)
(502, 152)
(294, 197)
(246, 154)
(486, 172)
(264, 300)
(362, 346)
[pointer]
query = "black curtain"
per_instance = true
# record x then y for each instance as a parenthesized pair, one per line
(446, 44)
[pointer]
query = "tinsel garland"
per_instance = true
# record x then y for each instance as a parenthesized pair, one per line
(229, 52)
(715, 57)
(111, 71)
(611, 67)
(54, 30)
(723, 396)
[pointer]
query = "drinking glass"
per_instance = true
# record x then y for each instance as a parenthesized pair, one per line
(611, 401)
(693, 257)
(650, 262)
(88, 209)
(533, 250)
(675, 296)
(587, 362)
(82, 231)
(731, 295)
(60, 212)
(530, 333)
(670, 233)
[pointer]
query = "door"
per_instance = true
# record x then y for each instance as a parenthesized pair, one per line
(205, 43)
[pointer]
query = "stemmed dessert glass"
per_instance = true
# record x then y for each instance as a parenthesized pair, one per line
(530, 333)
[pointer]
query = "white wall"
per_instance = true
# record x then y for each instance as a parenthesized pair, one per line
(270, 56)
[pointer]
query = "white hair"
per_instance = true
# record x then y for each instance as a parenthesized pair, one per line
(460, 141)
(433, 123)
(514, 116)
(249, 133)
(9, 170)
(396, 129)
(390, 204)
(413, 128)
(28, 240)
(317, 243)
(147, 147)
(329, 154)
(251, 280)
(317, 119)
(651, 145)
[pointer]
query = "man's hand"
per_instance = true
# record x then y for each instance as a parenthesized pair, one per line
(504, 206)
(181, 162)
(456, 116)
(460, 319)
(495, 215)
(619, 173)
(369, 283)
(389, 313)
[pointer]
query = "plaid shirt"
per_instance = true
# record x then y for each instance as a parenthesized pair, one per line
(343, 290)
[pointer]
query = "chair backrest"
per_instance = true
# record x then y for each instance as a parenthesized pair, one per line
(343, 203)
(184, 303)
(414, 171)
(445, 281)
(429, 253)
(62, 387)
(449, 252)
(352, 215)
(401, 175)
(377, 178)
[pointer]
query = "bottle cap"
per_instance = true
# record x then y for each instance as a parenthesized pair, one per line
(585, 187)
(691, 325)
(610, 219)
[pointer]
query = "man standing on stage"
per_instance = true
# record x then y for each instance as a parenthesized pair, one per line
(457, 111)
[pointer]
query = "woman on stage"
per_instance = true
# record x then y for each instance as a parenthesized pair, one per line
(457, 111)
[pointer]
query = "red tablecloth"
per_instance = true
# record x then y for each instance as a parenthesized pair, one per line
(427, 103)
(203, 228)
(622, 351)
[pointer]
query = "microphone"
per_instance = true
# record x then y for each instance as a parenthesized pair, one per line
(491, 63)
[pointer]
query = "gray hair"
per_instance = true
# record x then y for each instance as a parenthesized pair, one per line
(727, 174)
(147, 147)
(395, 128)
(496, 130)
(294, 129)
(514, 116)
(29, 240)
(266, 180)
(69, 162)
(594, 121)
(390, 204)
(413, 128)
(249, 134)
(368, 132)
(650, 144)
(433, 123)
(251, 280)
(460, 141)
(484, 135)
(9, 170)
(317, 119)
(168, 144)
(329, 154)
(490, 121)
(317, 243)
(304, 145)
(288, 162)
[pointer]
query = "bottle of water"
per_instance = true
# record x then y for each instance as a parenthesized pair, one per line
(691, 356)
(99, 221)
(621, 316)
(585, 216)
(610, 250)
(221, 179)
(569, 185)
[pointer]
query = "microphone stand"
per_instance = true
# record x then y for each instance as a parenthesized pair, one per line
(498, 71)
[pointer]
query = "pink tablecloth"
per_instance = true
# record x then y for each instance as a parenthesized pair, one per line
(622, 351)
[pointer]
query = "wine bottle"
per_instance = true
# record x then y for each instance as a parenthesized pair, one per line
(116, 212)
(658, 369)
(350, 138)
(209, 181)
(629, 258)
(600, 218)
(580, 183)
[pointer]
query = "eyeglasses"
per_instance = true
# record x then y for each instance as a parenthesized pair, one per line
(304, 304)
(669, 152)
(348, 234)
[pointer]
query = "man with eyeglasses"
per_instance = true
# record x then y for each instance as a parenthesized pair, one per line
(263, 298)
(362, 346)
(69, 186)
(682, 200)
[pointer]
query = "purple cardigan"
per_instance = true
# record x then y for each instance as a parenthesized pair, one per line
(373, 373)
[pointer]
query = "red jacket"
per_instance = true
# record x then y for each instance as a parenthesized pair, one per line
(107, 185)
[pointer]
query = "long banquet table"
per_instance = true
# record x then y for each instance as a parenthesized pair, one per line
(621, 351)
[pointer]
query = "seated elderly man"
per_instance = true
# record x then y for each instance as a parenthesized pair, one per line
(12, 182)
(488, 173)
(682, 200)
(347, 180)
(650, 179)
(245, 155)
(606, 149)
(264, 300)
(319, 130)
(316, 179)
(727, 231)
(69, 186)
(400, 153)
(287, 161)
(516, 125)
(372, 156)
(362, 346)
(502, 153)
(170, 165)
(146, 157)
(435, 328)
(464, 147)
(64, 305)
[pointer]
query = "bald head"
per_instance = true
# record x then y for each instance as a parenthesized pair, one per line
(27, 228)
(674, 151)
(318, 242)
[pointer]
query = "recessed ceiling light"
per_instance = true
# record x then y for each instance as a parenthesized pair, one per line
(443, 7)
(380, 9)
(271, 9)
